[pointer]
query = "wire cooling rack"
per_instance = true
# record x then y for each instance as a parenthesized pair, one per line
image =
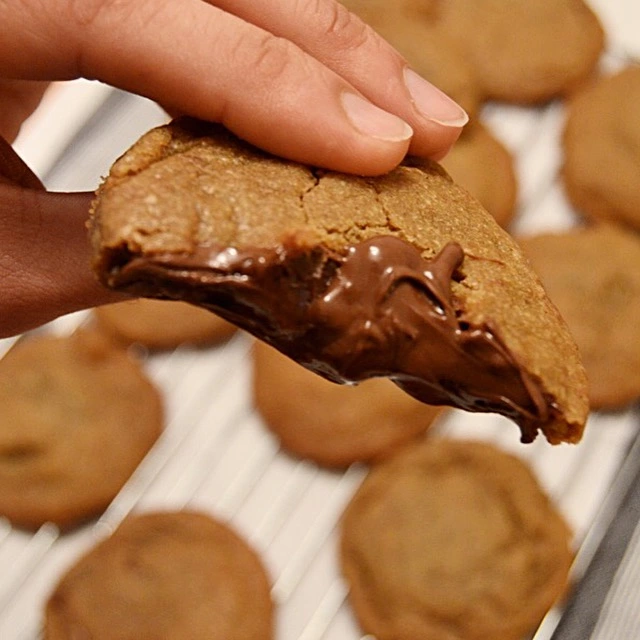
(216, 454)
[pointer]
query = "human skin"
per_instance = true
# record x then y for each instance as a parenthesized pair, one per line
(303, 79)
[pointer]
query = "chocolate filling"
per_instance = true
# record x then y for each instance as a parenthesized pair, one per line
(380, 309)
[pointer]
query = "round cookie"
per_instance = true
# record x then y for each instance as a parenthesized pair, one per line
(523, 51)
(334, 425)
(430, 53)
(403, 275)
(601, 144)
(161, 324)
(452, 539)
(480, 163)
(593, 276)
(77, 415)
(166, 576)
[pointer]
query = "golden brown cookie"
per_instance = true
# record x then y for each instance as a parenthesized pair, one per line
(430, 53)
(452, 539)
(77, 415)
(166, 576)
(404, 275)
(334, 425)
(480, 163)
(601, 144)
(523, 51)
(161, 324)
(593, 276)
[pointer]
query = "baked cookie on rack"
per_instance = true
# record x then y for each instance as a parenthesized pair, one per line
(480, 163)
(593, 276)
(428, 52)
(601, 145)
(334, 425)
(77, 416)
(161, 324)
(522, 51)
(452, 539)
(404, 275)
(167, 576)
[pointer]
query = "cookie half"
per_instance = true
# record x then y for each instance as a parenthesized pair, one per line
(77, 415)
(334, 425)
(403, 276)
(601, 144)
(161, 324)
(452, 539)
(166, 576)
(593, 276)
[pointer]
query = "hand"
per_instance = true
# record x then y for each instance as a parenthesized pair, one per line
(304, 79)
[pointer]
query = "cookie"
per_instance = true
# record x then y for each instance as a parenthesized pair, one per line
(77, 415)
(334, 425)
(452, 539)
(171, 575)
(480, 163)
(601, 146)
(430, 53)
(161, 324)
(522, 51)
(593, 276)
(404, 275)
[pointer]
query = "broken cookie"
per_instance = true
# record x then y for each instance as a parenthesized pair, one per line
(403, 276)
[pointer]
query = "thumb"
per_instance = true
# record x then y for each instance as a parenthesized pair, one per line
(45, 262)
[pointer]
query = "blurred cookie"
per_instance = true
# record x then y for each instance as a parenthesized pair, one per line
(334, 425)
(480, 163)
(430, 53)
(404, 275)
(166, 576)
(77, 415)
(601, 144)
(593, 276)
(162, 324)
(523, 51)
(452, 539)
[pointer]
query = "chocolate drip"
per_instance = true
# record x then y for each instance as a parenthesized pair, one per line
(381, 309)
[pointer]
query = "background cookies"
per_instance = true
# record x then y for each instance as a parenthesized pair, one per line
(77, 415)
(161, 324)
(428, 52)
(480, 163)
(523, 51)
(593, 276)
(166, 575)
(333, 424)
(601, 145)
(452, 539)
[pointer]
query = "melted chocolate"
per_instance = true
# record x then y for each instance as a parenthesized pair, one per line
(381, 309)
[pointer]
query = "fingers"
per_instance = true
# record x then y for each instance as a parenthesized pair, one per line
(283, 74)
(264, 88)
(45, 267)
(342, 42)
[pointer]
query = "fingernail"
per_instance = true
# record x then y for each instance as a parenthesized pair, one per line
(433, 103)
(373, 121)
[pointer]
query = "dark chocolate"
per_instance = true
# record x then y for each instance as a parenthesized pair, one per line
(380, 309)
